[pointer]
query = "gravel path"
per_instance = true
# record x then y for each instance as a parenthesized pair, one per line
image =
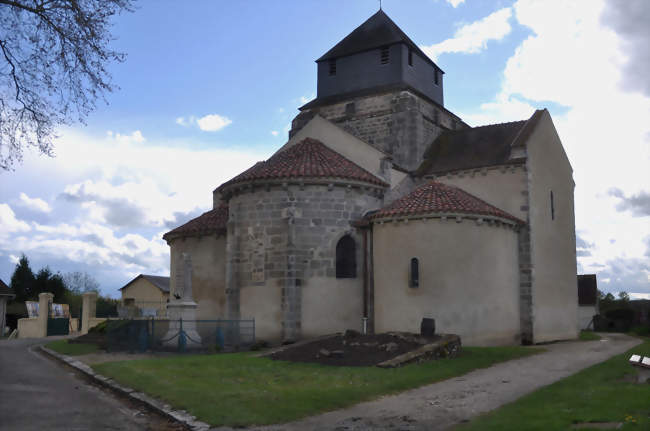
(444, 404)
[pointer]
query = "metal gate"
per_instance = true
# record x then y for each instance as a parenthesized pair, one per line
(58, 326)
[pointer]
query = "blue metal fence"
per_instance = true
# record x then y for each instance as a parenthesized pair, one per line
(140, 335)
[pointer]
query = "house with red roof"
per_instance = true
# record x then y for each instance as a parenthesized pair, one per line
(384, 208)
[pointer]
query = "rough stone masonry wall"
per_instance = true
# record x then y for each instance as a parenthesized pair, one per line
(282, 238)
(399, 123)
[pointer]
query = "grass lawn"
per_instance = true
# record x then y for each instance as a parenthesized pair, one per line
(589, 336)
(240, 389)
(65, 348)
(601, 393)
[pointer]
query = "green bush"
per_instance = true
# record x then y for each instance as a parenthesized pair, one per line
(642, 331)
(99, 328)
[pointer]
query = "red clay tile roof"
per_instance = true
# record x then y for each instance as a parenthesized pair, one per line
(434, 197)
(309, 158)
(213, 221)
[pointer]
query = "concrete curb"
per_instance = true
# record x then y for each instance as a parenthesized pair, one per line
(180, 416)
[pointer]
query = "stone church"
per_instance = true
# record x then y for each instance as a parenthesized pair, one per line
(383, 208)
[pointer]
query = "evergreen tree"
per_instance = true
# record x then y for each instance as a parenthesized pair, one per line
(23, 280)
(46, 281)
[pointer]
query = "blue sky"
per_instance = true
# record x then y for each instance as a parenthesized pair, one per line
(208, 88)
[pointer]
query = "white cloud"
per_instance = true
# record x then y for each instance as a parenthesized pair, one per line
(119, 198)
(213, 122)
(473, 38)
(274, 132)
(572, 59)
(9, 223)
(136, 137)
(34, 204)
(455, 3)
(207, 123)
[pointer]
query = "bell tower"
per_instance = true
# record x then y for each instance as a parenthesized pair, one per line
(377, 84)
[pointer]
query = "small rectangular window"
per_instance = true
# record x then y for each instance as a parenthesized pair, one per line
(436, 77)
(384, 55)
(414, 273)
(410, 57)
(332, 68)
(552, 207)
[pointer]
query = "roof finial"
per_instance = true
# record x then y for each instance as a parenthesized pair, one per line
(379, 4)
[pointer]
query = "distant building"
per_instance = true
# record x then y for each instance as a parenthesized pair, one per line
(383, 205)
(148, 294)
(587, 300)
(6, 294)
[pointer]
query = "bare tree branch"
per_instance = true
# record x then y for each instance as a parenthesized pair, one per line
(53, 68)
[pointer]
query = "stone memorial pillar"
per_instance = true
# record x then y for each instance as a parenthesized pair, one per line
(88, 310)
(181, 310)
(44, 301)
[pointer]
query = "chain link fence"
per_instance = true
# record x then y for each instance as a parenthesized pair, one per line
(178, 335)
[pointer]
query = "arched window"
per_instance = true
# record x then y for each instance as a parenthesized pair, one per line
(346, 258)
(414, 273)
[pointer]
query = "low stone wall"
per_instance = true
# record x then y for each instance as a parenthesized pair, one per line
(94, 321)
(74, 324)
(29, 327)
(448, 346)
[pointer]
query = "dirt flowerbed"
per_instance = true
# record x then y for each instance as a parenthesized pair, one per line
(354, 349)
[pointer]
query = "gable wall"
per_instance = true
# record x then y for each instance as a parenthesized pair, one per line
(505, 187)
(553, 248)
(142, 290)
(208, 272)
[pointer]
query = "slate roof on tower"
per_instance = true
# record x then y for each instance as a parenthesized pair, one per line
(377, 31)
(210, 222)
(309, 158)
(477, 147)
(437, 198)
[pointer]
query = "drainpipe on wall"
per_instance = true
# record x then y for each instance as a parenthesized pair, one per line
(368, 321)
(371, 283)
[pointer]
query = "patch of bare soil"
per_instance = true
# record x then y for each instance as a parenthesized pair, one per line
(353, 349)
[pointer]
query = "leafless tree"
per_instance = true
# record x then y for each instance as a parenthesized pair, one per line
(80, 282)
(53, 68)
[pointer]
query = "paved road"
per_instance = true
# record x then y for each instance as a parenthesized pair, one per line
(37, 393)
(445, 404)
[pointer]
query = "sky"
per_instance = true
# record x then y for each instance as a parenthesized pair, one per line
(209, 88)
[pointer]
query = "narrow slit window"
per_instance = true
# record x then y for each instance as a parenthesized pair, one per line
(384, 55)
(410, 57)
(346, 258)
(552, 206)
(436, 77)
(414, 273)
(332, 67)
